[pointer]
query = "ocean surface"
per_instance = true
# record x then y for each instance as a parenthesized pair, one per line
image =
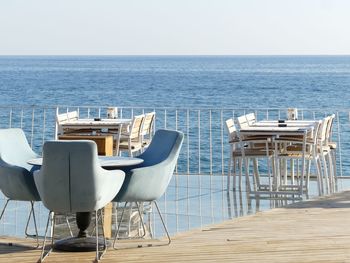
(177, 81)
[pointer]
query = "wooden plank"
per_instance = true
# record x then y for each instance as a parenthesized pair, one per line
(312, 231)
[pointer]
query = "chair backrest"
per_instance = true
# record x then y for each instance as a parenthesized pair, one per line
(135, 127)
(14, 148)
(322, 132)
(147, 125)
(242, 122)
(65, 117)
(330, 128)
(149, 180)
(67, 179)
(251, 119)
(231, 129)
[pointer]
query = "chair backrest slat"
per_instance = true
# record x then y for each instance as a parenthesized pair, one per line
(147, 124)
(231, 129)
(136, 126)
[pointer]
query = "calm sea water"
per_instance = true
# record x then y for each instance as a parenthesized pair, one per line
(178, 81)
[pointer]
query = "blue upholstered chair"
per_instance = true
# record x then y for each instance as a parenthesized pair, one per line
(148, 181)
(16, 177)
(72, 181)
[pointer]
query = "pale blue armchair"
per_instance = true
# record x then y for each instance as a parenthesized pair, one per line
(148, 181)
(16, 177)
(71, 180)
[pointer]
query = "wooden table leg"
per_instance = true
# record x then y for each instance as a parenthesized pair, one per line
(107, 220)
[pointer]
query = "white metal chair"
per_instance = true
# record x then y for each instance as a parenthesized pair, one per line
(251, 119)
(147, 129)
(62, 118)
(240, 147)
(130, 141)
(333, 151)
(306, 149)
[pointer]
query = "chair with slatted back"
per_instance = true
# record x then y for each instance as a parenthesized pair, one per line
(250, 153)
(242, 122)
(147, 129)
(251, 119)
(333, 150)
(307, 148)
(234, 142)
(130, 141)
(62, 118)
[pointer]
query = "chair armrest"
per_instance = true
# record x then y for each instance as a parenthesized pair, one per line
(109, 185)
(146, 183)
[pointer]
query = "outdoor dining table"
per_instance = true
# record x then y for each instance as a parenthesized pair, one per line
(95, 123)
(287, 123)
(272, 130)
(83, 242)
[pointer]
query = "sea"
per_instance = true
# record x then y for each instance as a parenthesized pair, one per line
(177, 81)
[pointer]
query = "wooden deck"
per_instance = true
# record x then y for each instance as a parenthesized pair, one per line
(312, 231)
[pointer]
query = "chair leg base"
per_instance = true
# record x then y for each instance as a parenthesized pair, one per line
(146, 241)
(79, 244)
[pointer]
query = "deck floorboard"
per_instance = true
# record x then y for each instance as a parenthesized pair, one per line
(310, 231)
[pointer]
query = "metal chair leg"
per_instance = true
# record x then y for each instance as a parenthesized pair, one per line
(141, 219)
(161, 218)
(27, 224)
(117, 232)
(97, 218)
(70, 229)
(51, 217)
(35, 226)
(3, 210)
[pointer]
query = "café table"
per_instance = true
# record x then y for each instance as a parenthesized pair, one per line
(271, 131)
(95, 123)
(83, 242)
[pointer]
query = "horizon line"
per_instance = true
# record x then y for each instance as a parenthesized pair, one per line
(168, 55)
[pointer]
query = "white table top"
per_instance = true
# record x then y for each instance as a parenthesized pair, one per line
(91, 123)
(275, 130)
(289, 123)
(105, 161)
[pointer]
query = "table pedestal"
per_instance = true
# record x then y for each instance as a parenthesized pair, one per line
(83, 242)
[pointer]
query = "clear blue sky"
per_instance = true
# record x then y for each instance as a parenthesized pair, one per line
(189, 27)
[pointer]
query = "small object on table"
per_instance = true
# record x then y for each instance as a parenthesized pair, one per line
(281, 121)
(97, 119)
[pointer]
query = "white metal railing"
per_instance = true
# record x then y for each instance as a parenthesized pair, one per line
(205, 149)
(191, 200)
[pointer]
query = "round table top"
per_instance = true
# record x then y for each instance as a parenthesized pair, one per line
(105, 161)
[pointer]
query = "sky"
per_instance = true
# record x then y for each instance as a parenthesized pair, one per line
(174, 27)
